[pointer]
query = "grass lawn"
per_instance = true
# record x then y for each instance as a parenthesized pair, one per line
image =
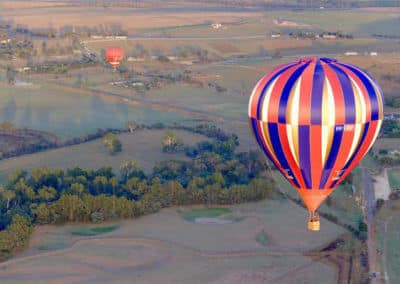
(394, 178)
(93, 231)
(52, 246)
(190, 215)
(208, 253)
(388, 240)
(262, 238)
(143, 146)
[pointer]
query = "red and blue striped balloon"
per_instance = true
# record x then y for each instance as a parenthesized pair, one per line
(315, 119)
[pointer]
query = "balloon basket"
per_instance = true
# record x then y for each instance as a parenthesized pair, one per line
(314, 225)
(313, 222)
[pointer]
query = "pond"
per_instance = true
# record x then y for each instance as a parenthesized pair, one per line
(68, 114)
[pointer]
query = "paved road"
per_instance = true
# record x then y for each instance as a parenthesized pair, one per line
(369, 203)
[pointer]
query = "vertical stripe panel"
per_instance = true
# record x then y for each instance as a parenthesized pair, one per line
(261, 86)
(337, 139)
(287, 90)
(277, 76)
(347, 95)
(305, 95)
(277, 148)
(334, 83)
(315, 154)
(304, 149)
(371, 91)
(316, 95)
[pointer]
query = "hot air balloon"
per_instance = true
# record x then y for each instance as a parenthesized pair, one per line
(315, 119)
(114, 56)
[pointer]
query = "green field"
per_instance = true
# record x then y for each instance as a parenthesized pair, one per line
(262, 238)
(192, 214)
(143, 146)
(359, 22)
(388, 240)
(86, 232)
(394, 178)
(141, 250)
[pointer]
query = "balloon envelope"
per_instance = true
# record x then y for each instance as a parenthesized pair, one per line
(114, 56)
(315, 119)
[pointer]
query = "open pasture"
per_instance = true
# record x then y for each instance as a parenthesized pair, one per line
(394, 178)
(31, 4)
(143, 146)
(132, 20)
(222, 47)
(388, 240)
(359, 22)
(164, 247)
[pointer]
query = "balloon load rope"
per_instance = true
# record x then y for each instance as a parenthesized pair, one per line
(313, 223)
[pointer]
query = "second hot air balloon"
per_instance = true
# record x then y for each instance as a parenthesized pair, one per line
(315, 119)
(114, 55)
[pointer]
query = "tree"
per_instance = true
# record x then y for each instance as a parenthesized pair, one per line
(15, 236)
(81, 80)
(103, 54)
(112, 143)
(10, 75)
(129, 169)
(47, 193)
(7, 195)
(77, 188)
(41, 213)
(116, 146)
(44, 47)
(171, 143)
(24, 191)
(132, 126)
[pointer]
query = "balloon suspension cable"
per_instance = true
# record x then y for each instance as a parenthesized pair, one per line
(313, 223)
(268, 168)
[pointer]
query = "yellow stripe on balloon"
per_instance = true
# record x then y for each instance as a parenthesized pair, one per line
(357, 102)
(324, 142)
(265, 136)
(328, 105)
(292, 110)
(292, 143)
(265, 102)
(358, 127)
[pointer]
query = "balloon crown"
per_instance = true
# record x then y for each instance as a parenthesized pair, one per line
(314, 59)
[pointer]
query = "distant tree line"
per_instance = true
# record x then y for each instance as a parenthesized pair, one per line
(214, 174)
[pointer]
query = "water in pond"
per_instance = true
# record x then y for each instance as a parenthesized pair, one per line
(69, 114)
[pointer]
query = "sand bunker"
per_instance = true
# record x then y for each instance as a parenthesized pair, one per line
(285, 23)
